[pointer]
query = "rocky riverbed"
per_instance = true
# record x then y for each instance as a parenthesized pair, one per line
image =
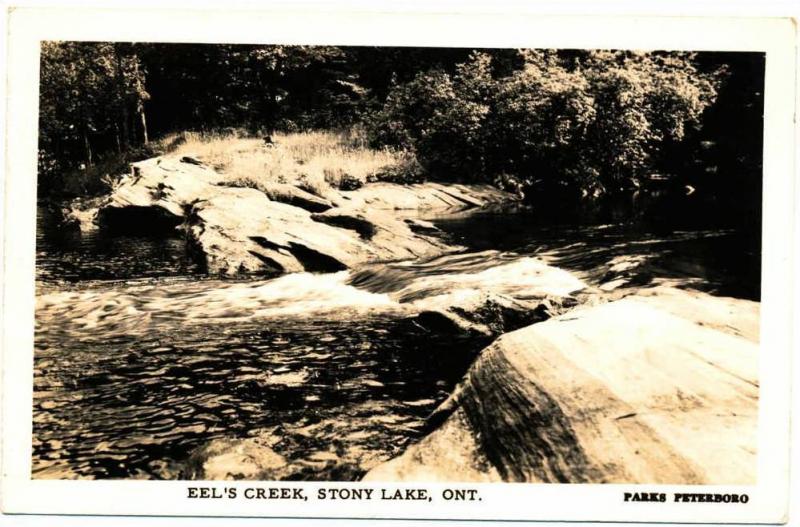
(613, 370)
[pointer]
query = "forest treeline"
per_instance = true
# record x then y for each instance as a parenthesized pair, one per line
(573, 122)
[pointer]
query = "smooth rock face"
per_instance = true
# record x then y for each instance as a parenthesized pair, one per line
(639, 390)
(421, 196)
(281, 229)
(241, 230)
(164, 182)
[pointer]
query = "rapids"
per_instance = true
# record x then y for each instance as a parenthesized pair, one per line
(140, 358)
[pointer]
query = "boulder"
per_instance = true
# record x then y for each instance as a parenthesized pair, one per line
(391, 238)
(232, 459)
(84, 218)
(474, 293)
(482, 312)
(82, 213)
(163, 183)
(451, 453)
(651, 389)
(240, 230)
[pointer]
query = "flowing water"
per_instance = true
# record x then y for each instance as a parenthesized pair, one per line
(140, 359)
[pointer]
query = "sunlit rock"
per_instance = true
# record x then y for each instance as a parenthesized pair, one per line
(229, 459)
(422, 196)
(82, 213)
(278, 228)
(658, 387)
(164, 183)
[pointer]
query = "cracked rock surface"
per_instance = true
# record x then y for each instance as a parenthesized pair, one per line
(656, 387)
(282, 229)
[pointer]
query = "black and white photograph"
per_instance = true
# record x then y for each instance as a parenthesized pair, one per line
(337, 263)
(298, 270)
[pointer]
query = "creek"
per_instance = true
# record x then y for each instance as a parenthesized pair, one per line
(140, 358)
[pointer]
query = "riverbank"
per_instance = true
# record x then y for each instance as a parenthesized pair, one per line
(277, 228)
(602, 372)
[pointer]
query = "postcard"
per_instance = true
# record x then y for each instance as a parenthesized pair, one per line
(307, 264)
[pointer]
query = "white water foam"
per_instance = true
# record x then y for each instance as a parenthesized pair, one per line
(137, 309)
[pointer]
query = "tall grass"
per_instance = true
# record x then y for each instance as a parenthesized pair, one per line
(316, 161)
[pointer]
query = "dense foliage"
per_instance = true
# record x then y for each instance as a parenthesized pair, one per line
(593, 123)
(580, 122)
(92, 101)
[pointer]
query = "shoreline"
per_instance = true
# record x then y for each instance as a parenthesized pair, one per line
(282, 228)
(524, 311)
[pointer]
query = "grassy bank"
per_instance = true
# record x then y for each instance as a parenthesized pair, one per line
(316, 161)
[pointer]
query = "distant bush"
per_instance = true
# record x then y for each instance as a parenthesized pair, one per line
(405, 170)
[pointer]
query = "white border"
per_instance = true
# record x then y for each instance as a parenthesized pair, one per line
(27, 26)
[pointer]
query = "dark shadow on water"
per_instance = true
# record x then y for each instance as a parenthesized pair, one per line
(64, 254)
(684, 240)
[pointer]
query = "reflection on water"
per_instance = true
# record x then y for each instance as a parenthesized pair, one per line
(140, 358)
(67, 255)
(723, 260)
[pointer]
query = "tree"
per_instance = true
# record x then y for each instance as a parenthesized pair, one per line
(440, 117)
(588, 122)
(90, 96)
(253, 87)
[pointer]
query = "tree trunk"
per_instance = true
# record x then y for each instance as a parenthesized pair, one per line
(144, 125)
(126, 135)
(116, 136)
(88, 149)
(122, 99)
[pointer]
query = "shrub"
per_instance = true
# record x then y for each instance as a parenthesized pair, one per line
(585, 122)
(406, 170)
(439, 117)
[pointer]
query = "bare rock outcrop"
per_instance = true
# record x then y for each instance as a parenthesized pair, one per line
(421, 196)
(656, 387)
(279, 228)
